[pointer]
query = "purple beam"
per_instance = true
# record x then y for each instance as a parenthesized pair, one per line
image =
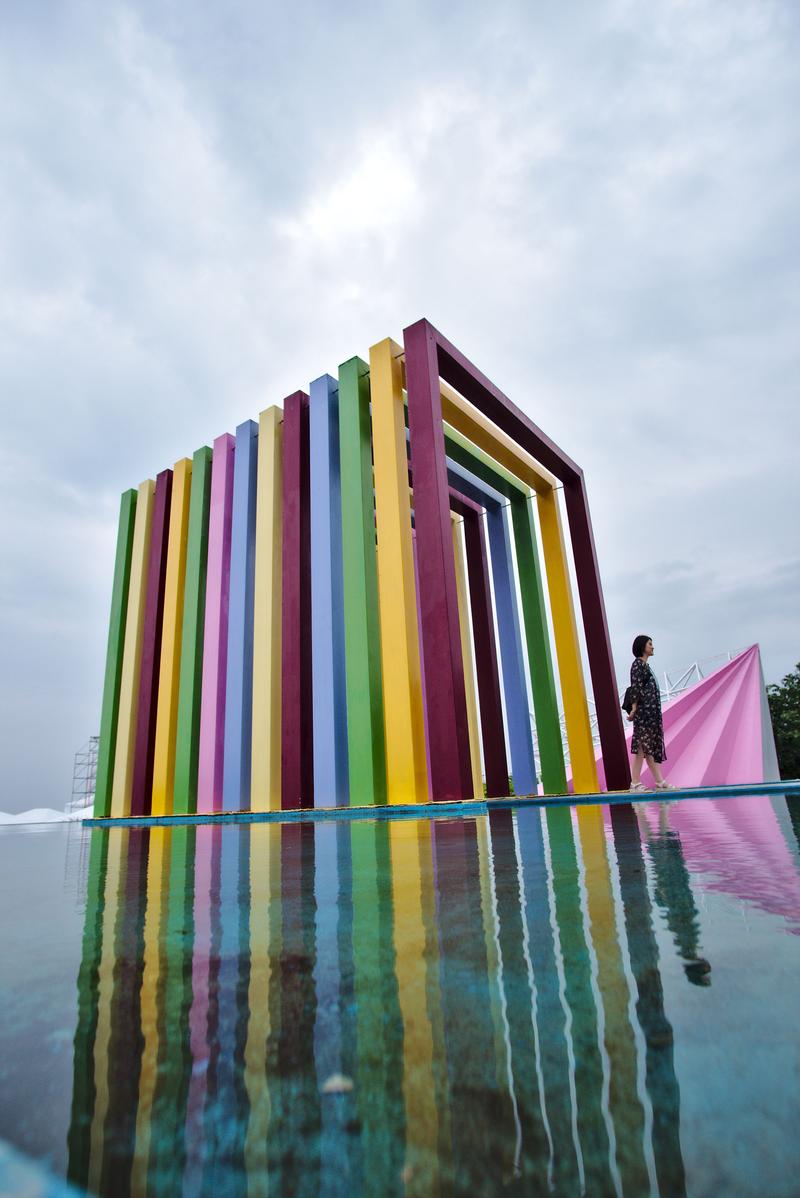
(297, 746)
(429, 357)
(147, 707)
(480, 604)
(447, 729)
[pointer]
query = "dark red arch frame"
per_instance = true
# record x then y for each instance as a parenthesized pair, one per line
(430, 357)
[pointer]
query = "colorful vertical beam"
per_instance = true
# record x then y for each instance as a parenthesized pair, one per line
(297, 747)
(545, 705)
(215, 632)
(132, 653)
(187, 734)
(473, 424)
(365, 737)
(548, 728)
(116, 638)
(406, 769)
(265, 779)
(147, 705)
(478, 391)
(239, 665)
(565, 631)
(515, 688)
(172, 626)
(616, 760)
(447, 729)
(467, 658)
(329, 684)
(495, 761)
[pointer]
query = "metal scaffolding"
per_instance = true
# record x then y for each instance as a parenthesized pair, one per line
(84, 772)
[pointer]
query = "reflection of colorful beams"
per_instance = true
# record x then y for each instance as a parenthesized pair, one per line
(515, 688)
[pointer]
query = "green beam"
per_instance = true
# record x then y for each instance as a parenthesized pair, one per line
(187, 734)
(365, 739)
(116, 637)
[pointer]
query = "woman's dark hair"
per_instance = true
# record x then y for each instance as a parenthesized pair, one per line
(639, 644)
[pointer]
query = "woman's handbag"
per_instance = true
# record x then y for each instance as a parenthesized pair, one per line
(628, 700)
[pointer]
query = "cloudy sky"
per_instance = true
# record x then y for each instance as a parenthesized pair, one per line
(205, 206)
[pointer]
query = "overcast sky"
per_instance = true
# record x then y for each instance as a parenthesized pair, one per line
(203, 207)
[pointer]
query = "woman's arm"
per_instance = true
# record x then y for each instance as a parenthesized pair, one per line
(637, 684)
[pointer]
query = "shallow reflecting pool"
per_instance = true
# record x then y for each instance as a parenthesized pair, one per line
(595, 1000)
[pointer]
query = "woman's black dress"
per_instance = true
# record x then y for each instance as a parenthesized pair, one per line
(648, 729)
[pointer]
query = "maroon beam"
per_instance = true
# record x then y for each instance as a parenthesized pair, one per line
(297, 751)
(446, 715)
(147, 708)
(429, 357)
(480, 603)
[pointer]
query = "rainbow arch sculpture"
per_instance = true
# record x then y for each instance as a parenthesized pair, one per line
(345, 603)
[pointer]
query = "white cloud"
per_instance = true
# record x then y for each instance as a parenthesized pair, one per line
(205, 208)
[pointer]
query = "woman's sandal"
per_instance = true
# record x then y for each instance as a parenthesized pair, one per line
(665, 785)
(635, 787)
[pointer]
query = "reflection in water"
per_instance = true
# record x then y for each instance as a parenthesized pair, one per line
(673, 893)
(421, 1007)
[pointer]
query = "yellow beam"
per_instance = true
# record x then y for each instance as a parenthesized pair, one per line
(171, 630)
(265, 786)
(565, 630)
(487, 437)
(132, 653)
(406, 767)
(478, 429)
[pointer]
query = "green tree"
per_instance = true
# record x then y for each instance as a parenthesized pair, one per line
(784, 707)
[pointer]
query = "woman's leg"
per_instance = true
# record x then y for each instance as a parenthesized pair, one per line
(636, 768)
(655, 769)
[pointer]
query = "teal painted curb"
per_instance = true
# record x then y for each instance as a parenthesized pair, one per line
(454, 810)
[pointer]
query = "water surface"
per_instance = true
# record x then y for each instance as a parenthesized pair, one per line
(558, 1000)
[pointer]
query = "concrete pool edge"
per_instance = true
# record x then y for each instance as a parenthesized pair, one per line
(458, 809)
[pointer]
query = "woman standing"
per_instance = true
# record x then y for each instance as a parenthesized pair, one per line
(648, 729)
